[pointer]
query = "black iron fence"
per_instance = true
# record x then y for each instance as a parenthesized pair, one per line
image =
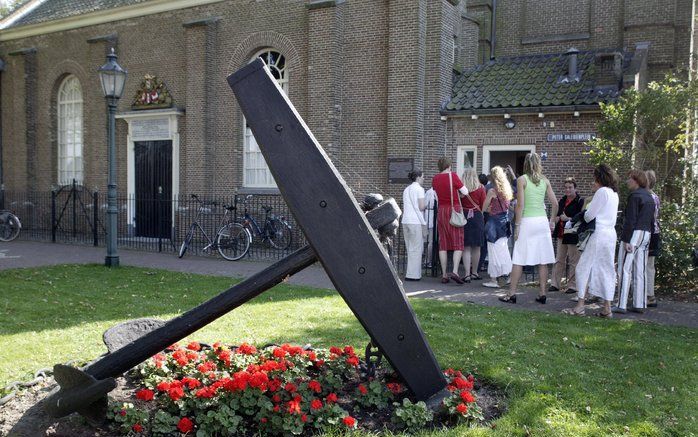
(75, 215)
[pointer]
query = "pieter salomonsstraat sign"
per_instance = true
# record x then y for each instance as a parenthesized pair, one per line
(570, 137)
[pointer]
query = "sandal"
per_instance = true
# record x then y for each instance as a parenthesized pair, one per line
(444, 280)
(573, 312)
(475, 277)
(542, 299)
(603, 315)
(457, 279)
(508, 299)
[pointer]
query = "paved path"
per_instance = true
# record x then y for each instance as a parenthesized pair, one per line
(34, 254)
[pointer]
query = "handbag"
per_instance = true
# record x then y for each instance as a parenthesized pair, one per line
(457, 218)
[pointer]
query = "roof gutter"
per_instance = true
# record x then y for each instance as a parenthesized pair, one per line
(522, 111)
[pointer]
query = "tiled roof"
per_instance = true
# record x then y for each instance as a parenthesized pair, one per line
(50, 10)
(530, 81)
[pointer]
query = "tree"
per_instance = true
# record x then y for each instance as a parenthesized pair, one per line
(7, 6)
(652, 129)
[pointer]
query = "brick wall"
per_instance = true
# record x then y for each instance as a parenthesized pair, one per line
(565, 159)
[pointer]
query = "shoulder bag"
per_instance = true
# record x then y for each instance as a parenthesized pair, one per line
(457, 218)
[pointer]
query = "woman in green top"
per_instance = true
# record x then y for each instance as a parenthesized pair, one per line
(533, 242)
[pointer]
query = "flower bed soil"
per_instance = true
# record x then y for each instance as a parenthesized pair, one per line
(24, 415)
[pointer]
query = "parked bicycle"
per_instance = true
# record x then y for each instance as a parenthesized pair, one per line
(9, 226)
(231, 240)
(275, 230)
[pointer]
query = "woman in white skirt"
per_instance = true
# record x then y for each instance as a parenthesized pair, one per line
(533, 244)
(595, 268)
(496, 228)
(413, 206)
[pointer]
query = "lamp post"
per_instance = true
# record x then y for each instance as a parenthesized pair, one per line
(113, 78)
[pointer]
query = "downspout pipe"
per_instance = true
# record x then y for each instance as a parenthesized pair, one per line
(493, 30)
(2, 182)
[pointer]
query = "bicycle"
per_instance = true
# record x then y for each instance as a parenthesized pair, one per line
(9, 226)
(276, 229)
(232, 240)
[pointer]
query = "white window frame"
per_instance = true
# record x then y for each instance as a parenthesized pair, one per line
(252, 159)
(70, 131)
(460, 161)
(507, 148)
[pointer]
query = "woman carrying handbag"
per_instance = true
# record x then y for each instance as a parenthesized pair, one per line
(450, 219)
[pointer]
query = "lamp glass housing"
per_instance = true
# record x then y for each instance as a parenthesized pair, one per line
(112, 77)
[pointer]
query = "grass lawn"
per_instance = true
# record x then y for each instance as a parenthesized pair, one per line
(563, 376)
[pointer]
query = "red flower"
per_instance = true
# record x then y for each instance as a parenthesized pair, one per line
(224, 355)
(394, 387)
(246, 349)
(191, 383)
(467, 397)
(263, 420)
(348, 350)
(185, 425)
(279, 353)
(335, 350)
(122, 413)
(290, 387)
(259, 380)
(349, 421)
(362, 389)
(294, 406)
(276, 399)
(316, 404)
(304, 418)
(180, 356)
(163, 386)
(315, 386)
(319, 363)
(175, 393)
(145, 394)
(206, 366)
(353, 361)
(194, 346)
(206, 392)
(461, 383)
(274, 384)
(462, 408)
(312, 356)
(331, 398)
(137, 427)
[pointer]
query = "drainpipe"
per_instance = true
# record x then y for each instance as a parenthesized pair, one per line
(2, 184)
(493, 29)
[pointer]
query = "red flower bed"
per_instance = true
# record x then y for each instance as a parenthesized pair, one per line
(274, 390)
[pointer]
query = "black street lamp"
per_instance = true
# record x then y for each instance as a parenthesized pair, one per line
(113, 78)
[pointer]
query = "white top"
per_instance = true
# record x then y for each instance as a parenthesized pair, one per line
(603, 208)
(430, 204)
(411, 215)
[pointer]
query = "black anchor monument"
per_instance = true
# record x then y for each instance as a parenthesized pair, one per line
(340, 237)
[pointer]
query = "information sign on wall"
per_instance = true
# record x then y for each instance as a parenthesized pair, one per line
(398, 169)
(571, 137)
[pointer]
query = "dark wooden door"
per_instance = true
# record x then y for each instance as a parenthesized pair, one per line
(153, 188)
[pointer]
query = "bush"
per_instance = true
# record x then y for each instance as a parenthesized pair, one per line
(284, 390)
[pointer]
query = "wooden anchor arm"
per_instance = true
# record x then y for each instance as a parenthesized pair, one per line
(334, 225)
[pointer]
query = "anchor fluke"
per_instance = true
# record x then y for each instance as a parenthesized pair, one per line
(78, 392)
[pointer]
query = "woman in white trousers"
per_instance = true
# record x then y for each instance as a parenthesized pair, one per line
(595, 269)
(413, 222)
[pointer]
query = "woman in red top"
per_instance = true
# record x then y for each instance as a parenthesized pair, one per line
(474, 230)
(448, 186)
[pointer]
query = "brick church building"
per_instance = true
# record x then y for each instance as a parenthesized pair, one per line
(383, 84)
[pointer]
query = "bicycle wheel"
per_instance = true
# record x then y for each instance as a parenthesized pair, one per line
(233, 241)
(9, 226)
(186, 242)
(279, 234)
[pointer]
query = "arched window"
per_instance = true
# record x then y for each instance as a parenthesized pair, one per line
(256, 172)
(70, 131)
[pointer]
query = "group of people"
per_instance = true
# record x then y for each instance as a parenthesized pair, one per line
(584, 230)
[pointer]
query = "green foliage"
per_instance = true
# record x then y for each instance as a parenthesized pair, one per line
(163, 424)
(675, 270)
(411, 417)
(126, 418)
(373, 394)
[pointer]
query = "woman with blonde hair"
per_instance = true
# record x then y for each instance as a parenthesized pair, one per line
(533, 243)
(474, 230)
(498, 228)
(448, 187)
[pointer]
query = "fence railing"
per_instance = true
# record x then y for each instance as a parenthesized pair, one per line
(75, 215)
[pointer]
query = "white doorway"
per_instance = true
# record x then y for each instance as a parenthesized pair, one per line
(466, 158)
(504, 156)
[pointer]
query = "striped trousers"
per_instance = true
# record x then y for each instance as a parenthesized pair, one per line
(632, 270)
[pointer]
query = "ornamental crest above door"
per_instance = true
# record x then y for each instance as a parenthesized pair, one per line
(152, 94)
